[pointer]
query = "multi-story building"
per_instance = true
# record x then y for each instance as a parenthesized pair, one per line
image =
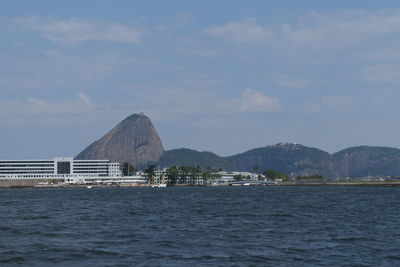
(59, 168)
(161, 176)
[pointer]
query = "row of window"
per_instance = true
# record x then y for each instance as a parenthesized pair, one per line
(25, 172)
(99, 168)
(90, 166)
(26, 161)
(25, 165)
(91, 162)
(90, 173)
(36, 169)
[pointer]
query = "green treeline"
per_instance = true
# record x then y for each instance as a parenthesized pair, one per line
(188, 174)
(182, 174)
(128, 169)
(311, 177)
(275, 175)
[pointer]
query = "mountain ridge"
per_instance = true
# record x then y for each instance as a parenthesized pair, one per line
(299, 160)
(136, 141)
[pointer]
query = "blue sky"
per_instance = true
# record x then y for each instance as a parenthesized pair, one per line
(220, 76)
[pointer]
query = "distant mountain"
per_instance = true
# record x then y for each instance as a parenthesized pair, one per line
(136, 141)
(367, 160)
(296, 159)
(189, 157)
(133, 140)
(292, 159)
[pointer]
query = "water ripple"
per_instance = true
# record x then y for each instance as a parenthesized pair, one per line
(207, 226)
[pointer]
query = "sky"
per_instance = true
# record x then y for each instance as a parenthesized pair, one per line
(221, 76)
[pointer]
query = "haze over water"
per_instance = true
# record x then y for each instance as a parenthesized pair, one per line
(201, 226)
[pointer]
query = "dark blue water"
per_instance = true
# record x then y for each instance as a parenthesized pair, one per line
(202, 226)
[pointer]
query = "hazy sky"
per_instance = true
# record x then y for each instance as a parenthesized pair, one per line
(222, 76)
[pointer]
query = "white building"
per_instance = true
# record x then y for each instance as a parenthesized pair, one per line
(59, 168)
(161, 176)
(224, 177)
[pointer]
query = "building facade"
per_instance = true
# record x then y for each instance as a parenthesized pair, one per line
(161, 177)
(58, 168)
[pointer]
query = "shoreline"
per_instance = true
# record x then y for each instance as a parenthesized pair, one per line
(371, 184)
(338, 184)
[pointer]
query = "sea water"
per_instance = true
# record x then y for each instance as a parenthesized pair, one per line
(201, 226)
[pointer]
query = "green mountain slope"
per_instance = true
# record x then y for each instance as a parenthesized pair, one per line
(295, 159)
(189, 157)
(292, 159)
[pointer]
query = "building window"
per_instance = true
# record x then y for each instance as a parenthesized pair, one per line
(63, 167)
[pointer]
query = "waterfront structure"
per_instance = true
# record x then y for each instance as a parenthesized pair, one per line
(161, 176)
(64, 168)
(71, 171)
(197, 178)
(224, 177)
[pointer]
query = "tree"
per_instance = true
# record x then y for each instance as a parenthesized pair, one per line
(127, 169)
(182, 174)
(173, 174)
(150, 171)
(237, 177)
(274, 175)
(194, 172)
(207, 176)
(310, 177)
(162, 179)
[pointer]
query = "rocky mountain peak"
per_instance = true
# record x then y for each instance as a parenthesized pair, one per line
(134, 117)
(134, 140)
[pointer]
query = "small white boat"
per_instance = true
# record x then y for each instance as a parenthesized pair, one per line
(162, 185)
(89, 186)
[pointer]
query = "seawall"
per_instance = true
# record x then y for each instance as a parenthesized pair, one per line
(7, 183)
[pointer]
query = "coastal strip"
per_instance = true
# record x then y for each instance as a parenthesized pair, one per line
(51, 183)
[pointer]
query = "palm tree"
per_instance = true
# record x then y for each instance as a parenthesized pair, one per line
(150, 171)
(183, 174)
(127, 169)
(173, 174)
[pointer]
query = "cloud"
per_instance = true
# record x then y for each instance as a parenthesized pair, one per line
(256, 101)
(244, 31)
(330, 102)
(73, 31)
(386, 54)
(56, 69)
(81, 104)
(251, 101)
(23, 110)
(193, 46)
(198, 81)
(173, 102)
(84, 98)
(183, 19)
(285, 80)
(381, 73)
(337, 30)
